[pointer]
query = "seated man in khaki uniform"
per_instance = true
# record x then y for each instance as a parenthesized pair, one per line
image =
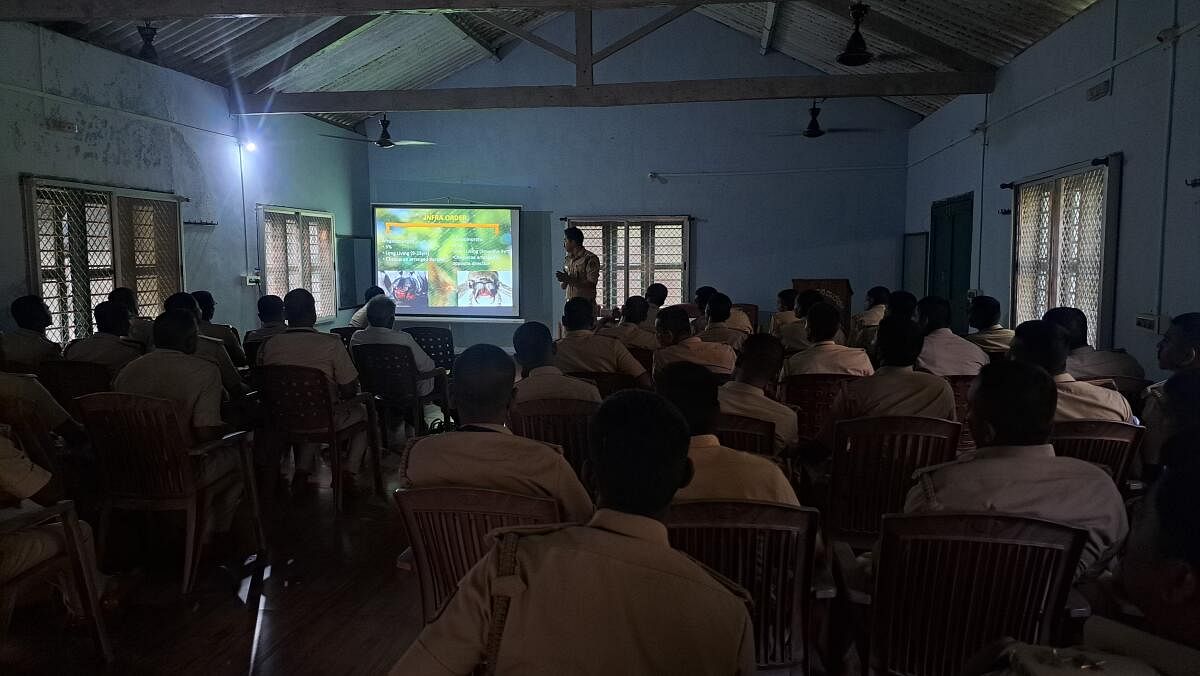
(303, 345)
(210, 349)
(27, 344)
(580, 350)
(864, 325)
(27, 387)
(795, 334)
(946, 354)
(611, 597)
(679, 345)
(826, 356)
(381, 320)
(1086, 361)
(141, 329)
(759, 363)
(359, 319)
(721, 473)
(984, 317)
(225, 333)
(270, 317)
(785, 310)
(738, 320)
(1015, 470)
(107, 346)
(717, 329)
(1045, 344)
(630, 331)
(1178, 351)
(656, 297)
(543, 380)
(483, 453)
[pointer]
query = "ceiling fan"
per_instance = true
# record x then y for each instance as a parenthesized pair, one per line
(814, 130)
(385, 138)
(856, 53)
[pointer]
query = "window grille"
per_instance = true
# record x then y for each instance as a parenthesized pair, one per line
(298, 250)
(635, 253)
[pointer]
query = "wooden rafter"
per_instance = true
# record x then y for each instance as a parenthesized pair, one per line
(768, 32)
(463, 27)
(262, 78)
(642, 32)
(528, 36)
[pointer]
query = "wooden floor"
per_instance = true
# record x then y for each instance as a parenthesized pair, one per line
(332, 602)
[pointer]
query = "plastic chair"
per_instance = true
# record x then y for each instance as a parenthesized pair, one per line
(30, 432)
(448, 527)
(768, 550)
(871, 470)
(557, 421)
(746, 434)
(67, 380)
(390, 373)
(345, 333)
(961, 385)
(812, 396)
(645, 357)
(1111, 445)
(751, 311)
(607, 383)
(145, 464)
(436, 342)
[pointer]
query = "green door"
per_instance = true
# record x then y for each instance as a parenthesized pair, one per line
(950, 231)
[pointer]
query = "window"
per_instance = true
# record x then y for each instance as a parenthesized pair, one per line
(1064, 252)
(80, 252)
(637, 252)
(298, 253)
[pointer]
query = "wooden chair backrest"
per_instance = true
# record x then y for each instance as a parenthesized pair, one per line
(768, 550)
(387, 371)
(947, 584)
(67, 380)
(1109, 444)
(872, 466)
(746, 434)
(607, 383)
(141, 451)
(751, 311)
(557, 421)
(437, 342)
(345, 333)
(447, 528)
(812, 396)
(645, 357)
(296, 398)
(961, 386)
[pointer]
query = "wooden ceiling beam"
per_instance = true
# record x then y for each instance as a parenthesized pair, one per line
(262, 78)
(456, 20)
(528, 36)
(768, 32)
(642, 32)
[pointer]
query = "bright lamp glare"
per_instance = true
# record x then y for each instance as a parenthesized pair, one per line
(250, 146)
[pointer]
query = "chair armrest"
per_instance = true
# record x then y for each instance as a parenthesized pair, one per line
(227, 440)
(436, 372)
(1077, 607)
(858, 585)
(823, 584)
(28, 519)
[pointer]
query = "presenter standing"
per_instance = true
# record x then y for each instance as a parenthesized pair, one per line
(581, 268)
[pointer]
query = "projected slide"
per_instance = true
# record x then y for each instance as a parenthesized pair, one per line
(448, 260)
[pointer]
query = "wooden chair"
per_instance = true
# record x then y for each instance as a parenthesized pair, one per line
(299, 406)
(345, 333)
(751, 311)
(811, 396)
(947, 584)
(607, 383)
(145, 464)
(447, 528)
(1111, 445)
(73, 564)
(746, 434)
(768, 550)
(961, 385)
(390, 373)
(436, 342)
(67, 380)
(871, 471)
(557, 421)
(645, 357)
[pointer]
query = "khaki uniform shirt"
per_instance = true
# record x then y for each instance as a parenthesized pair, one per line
(1115, 649)
(946, 354)
(738, 320)
(312, 349)
(1032, 481)
(1159, 428)
(214, 352)
(377, 335)
(27, 387)
(20, 478)
(585, 351)
(497, 460)
(194, 384)
(631, 335)
(548, 382)
(829, 357)
(28, 348)
(893, 390)
(359, 319)
(725, 474)
(781, 319)
(112, 351)
(751, 402)
(228, 336)
(721, 332)
(1088, 362)
(794, 336)
(864, 325)
(583, 271)
(994, 339)
(1085, 401)
(651, 315)
(608, 598)
(264, 332)
(716, 357)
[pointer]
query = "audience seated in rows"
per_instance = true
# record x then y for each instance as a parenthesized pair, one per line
(1015, 469)
(864, 325)
(222, 332)
(785, 310)
(27, 345)
(678, 344)
(738, 320)
(636, 606)
(141, 329)
(656, 296)
(984, 317)
(757, 366)
(1044, 344)
(534, 347)
(630, 331)
(380, 330)
(1086, 361)
(1178, 351)
(26, 387)
(945, 354)
(108, 345)
(580, 350)
(483, 453)
(794, 335)
(825, 356)
(359, 319)
(720, 473)
(717, 329)
(901, 304)
(209, 349)
(271, 322)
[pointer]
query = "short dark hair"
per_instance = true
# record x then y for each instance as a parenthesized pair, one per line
(1074, 321)
(761, 357)
(578, 314)
(984, 312)
(719, 307)
(635, 310)
(270, 308)
(483, 381)
(638, 452)
(125, 296)
(381, 311)
(574, 234)
(532, 342)
(806, 299)
(1043, 343)
(878, 295)
(674, 320)
(823, 321)
(693, 390)
(27, 310)
(110, 315)
(656, 293)
(299, 305)
(371, 292)
(787, 299)
(207, 303)
(182, 301)
(1018, 400)
(901, 304)
(934, 312)
(703, 295)
(173, 328)
(899, 341)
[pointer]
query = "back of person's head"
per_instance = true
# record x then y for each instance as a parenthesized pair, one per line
(806, 299)
(639, 452)
(760, 360)
(656, 294)
(703, 295)
(29, 312)
(208, 304)
(1073, 321)
(719, 308)
(533, 344)
(578, 315)
(901, 304)
(126, 297)
(300, 308)
(693, 390)
(182, 301)
(1042, 343)
(270, 308)
(381, 312)
(483, 383)
(634, 310)
(112, 318)
(878, 295)
(176, 329)
(1012, 404)
(823, 322)
(371, 292)
(984, 312)
(787, 300)
(1179, 349)
(934, 313)
(899, 341)
(574, 234)
(673, 321)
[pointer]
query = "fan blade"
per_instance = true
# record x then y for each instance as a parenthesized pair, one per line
(414, 143)
(779, 134)
(852, 130)
(347, 138)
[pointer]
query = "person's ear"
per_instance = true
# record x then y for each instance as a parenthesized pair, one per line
(1181, 583)
(689, 472)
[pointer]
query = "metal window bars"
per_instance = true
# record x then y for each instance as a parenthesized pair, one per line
(636, 252)
(298, 252)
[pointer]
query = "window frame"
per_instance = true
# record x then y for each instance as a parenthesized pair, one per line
(647, 265)
(262, 210)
